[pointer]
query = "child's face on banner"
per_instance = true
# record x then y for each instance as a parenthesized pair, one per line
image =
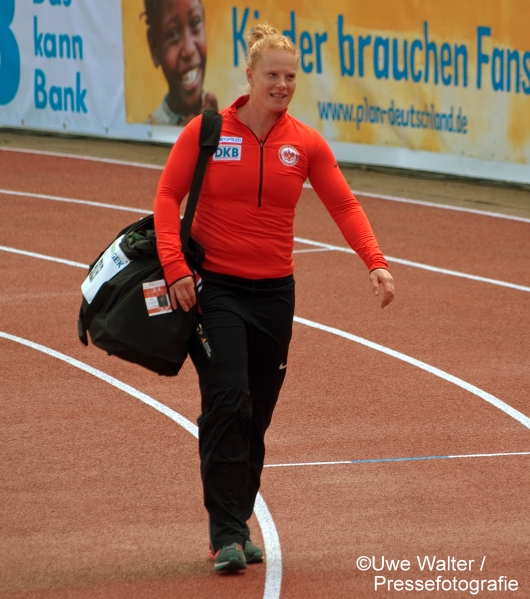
(178, 45)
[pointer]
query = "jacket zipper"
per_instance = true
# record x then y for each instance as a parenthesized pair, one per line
(261, 144)
(260, 172)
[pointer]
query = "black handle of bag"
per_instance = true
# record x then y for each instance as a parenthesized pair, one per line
(208, 141)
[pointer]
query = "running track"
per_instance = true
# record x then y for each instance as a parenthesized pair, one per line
(101, 493)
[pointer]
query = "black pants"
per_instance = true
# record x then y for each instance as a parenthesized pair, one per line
(249, 325)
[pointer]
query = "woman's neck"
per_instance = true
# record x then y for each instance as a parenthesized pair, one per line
(259, 121)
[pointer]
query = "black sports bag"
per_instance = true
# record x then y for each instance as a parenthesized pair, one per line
(126, 308)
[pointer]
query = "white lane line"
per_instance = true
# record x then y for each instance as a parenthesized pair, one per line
(494, 401)
(323, 246)
(80, 157)
(504, 407)
(42, 196)
(307, 464)
(312, 251)
(410, 459)
(273, 563)
(273, 550)
(443, 271)
(306, 185)
(3, 248)
(379, 196)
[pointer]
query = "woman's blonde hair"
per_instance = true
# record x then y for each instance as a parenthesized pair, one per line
(265, 37)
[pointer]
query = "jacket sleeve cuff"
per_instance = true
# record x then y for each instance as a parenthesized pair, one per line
(175, 271)
(378, 263)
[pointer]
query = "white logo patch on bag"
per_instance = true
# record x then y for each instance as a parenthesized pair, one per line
(110, 264)
(156, 297)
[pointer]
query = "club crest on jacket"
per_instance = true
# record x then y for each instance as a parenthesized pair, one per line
(288, 155)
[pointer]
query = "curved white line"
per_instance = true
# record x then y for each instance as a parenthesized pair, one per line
(81, 157)
(401, 460)
(276, 584)
(443, 271)
(366, 194)
(318, 244)
(273, 573)
(312, 250)
(306, 185)
(501, 405)
(379, 196)
(273, 550)
(504, 407)
(41, 196)
(3, 248)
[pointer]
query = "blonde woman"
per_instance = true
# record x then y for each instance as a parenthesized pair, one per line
(244, 220)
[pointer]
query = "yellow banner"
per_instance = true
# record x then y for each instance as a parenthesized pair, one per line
(447, 77)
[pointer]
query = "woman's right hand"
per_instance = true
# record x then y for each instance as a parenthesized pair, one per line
(182, 293)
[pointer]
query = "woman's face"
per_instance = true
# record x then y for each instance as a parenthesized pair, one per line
(273, 79)
(178, 45)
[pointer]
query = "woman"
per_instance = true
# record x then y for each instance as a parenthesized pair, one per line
(244, 220)
(175, 32)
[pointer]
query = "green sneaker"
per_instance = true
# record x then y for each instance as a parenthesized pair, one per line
(230, 558)
(253, 553)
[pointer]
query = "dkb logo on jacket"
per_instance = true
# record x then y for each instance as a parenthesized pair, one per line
(228, 152)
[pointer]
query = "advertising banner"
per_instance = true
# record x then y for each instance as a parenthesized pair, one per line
(438, 86)
(61, 66)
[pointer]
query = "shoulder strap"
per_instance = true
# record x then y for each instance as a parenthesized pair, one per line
(208, 141)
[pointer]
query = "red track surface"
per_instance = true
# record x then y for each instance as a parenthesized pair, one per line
(101, 494)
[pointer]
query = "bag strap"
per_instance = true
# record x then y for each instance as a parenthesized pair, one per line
(208, 142)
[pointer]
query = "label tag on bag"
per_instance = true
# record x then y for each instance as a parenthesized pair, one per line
(110, 264)
(156, 297)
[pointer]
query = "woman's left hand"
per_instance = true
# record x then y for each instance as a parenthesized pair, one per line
(182, 293)
(382, 277)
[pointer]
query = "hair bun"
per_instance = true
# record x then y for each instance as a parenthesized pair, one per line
(264, 37)
(259, 32)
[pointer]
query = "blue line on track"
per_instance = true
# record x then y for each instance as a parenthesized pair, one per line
(412, 459)
(429, 457)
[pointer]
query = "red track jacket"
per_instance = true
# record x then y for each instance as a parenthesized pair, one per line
(245, 214)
